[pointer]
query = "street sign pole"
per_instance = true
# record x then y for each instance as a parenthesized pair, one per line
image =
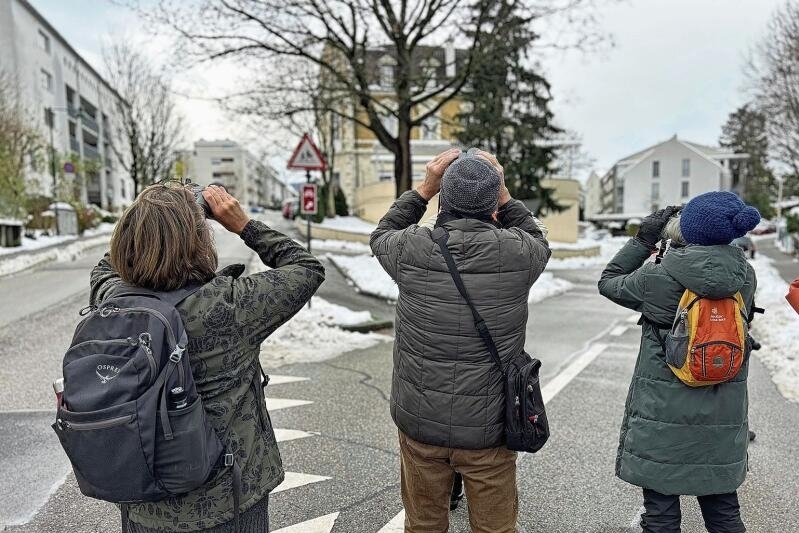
(308, 217)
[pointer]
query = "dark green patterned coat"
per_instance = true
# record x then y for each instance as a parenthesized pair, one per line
(226, 321)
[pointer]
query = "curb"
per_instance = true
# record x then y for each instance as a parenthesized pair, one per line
(368, 327)
(44, 252)
(343, 272)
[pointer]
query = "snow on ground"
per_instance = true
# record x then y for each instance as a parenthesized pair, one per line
(548, 286)
(608, 248)
(367, 275)
(315, 334)
(777, 330)
(351, 224)
(35, 244)
(370, 278)
(333, 245)
(66, 252)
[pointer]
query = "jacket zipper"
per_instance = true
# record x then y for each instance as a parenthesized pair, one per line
(100, 424)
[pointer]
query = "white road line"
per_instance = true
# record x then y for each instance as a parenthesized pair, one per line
(619, 331)
(275, 379)
(298, 479)
(396, 525)
(285, 435)
(570, 372)
(273, 404)
(323, 524)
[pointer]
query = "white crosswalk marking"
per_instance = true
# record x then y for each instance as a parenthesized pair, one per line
(273, 404)
(618, 331)
(323, 524)
(285, 435)
(275, 379)
(298, 479)
(396, 525)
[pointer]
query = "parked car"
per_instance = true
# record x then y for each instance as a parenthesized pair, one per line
(765, 226)
(290, 208)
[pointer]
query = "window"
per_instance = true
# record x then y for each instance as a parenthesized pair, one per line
(48, 117)
(387, 75)
(216, 161)
(430, 128)
(47, 80)
(686, 188)
(655, 169)
(655, 191)
(227, 159)
(686, 168)
(44, 41)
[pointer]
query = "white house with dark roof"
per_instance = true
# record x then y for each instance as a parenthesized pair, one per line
(668, 173)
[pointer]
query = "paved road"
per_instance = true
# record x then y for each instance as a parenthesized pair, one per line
(339, 444)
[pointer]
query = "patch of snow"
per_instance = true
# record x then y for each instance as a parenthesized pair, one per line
(547, 286)
(333, 245)
(104, 228)
(68, 252)
(367, 275)
(314, 335)
(777, 330)
(370, 278)
(607, 249)
(40, 241)
(351, 224)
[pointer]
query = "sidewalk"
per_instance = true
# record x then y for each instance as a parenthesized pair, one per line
(14, 262)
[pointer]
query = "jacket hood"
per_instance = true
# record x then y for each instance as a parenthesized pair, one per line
(710, 271)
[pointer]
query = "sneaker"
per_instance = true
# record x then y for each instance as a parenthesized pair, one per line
(455, 500)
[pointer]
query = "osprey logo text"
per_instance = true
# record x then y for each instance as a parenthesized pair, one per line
(106, 372)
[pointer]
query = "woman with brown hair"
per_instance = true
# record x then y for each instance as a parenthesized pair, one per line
(163, 243)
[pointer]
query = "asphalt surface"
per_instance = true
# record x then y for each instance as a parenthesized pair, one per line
(352, 443)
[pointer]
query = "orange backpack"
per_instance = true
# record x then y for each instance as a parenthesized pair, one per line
(707, 343)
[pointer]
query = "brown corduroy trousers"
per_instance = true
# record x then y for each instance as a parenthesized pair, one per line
(489, 478)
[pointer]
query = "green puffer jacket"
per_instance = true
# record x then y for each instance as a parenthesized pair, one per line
(676, 439)
(226, 321)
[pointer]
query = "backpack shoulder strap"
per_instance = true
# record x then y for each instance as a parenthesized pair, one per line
(173, 298)
(440, 237)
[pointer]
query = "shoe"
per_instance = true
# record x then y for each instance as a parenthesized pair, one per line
(455, 500)
(752, 436)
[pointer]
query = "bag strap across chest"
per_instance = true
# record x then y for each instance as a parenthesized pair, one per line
(440, 237)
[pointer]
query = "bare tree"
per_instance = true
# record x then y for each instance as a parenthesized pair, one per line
(148, 127)
(775, 75)
(294, 48)
(21, 145)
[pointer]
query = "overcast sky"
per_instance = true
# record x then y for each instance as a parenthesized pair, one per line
(676, 67)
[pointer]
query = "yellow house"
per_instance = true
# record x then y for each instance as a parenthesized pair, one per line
(364, 169)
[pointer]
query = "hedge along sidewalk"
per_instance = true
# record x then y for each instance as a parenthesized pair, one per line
(63, 250)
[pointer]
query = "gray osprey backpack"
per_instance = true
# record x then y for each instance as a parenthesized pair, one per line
(130, 418)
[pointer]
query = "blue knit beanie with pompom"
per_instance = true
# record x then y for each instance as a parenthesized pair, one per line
(717, 218)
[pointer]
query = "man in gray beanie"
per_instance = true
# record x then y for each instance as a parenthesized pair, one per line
(447, 396)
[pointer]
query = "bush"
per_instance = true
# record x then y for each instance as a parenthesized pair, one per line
(87, 217)
(342, 209)
(109, 219)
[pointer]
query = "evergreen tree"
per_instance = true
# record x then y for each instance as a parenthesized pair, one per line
(745, 132)
(507, 108)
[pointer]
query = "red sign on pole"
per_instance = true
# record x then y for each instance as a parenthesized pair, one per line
(308, 206)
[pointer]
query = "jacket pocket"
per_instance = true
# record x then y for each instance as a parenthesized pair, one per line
(259, 397)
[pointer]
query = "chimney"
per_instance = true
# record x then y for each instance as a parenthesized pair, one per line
(449, 58)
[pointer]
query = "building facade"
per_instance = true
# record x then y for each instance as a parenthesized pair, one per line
(669, 173)
(228, 163)
(71, 104)
(363, 168)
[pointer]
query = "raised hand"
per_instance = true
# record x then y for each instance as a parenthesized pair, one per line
(434, 171)
(226, 209)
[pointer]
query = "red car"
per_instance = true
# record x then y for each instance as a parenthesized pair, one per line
(290, 209)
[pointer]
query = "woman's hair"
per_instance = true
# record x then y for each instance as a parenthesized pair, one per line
(162, 241)
(673, 232)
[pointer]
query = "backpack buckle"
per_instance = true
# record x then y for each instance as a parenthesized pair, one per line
(228, 459)
(177, 354)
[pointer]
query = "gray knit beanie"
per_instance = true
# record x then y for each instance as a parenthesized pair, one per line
(470, 185)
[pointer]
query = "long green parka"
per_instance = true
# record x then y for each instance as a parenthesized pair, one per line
(676, 439)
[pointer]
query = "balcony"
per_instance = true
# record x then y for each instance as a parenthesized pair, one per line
(90, 152)
(89, 123)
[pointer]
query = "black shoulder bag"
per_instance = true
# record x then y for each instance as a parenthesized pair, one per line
(526, 425)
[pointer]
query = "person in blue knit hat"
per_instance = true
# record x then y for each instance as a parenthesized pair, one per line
(678, 440)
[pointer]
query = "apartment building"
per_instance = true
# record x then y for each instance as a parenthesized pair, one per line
(70, 101)
(668, 173)
(228, 163)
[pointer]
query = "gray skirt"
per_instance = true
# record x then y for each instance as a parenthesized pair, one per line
(253, 520)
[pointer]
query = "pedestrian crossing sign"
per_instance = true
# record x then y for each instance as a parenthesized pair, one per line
(307, 156)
